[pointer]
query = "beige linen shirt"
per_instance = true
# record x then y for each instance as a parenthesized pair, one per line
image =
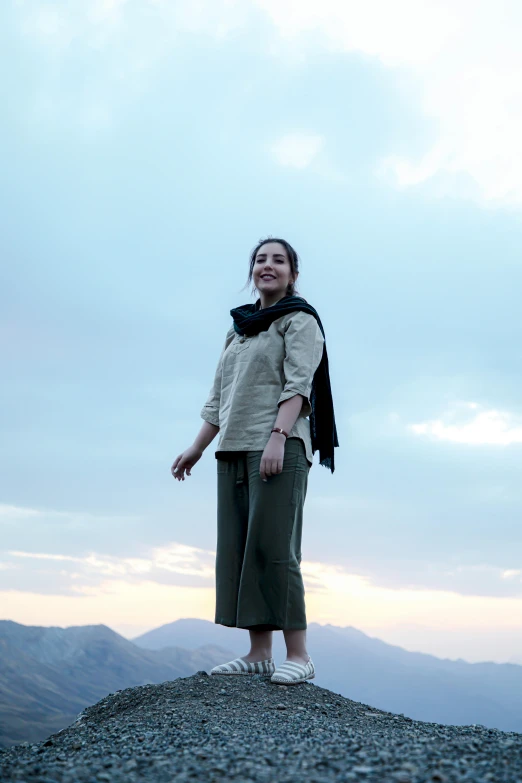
(256, 374)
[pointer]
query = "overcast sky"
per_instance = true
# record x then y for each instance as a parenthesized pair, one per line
(148, 145)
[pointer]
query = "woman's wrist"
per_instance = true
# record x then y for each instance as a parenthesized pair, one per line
(278, 431)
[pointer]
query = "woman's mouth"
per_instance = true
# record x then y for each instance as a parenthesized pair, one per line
(267, 277)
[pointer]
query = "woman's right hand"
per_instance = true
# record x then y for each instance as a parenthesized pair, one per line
(185, 462)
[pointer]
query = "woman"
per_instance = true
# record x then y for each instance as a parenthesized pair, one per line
(272, 374)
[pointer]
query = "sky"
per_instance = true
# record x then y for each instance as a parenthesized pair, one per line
(146, 147)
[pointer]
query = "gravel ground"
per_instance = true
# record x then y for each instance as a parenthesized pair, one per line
(245, 728)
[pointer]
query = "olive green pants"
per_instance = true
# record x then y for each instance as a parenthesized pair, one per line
(259, 525)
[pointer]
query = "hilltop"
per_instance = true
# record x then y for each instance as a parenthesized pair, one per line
(246, 728)
(49, 674)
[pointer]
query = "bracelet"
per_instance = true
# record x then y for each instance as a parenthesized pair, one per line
(278, 429)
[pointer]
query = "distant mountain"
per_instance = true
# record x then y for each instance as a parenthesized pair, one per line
(382, 675)
(48, 675)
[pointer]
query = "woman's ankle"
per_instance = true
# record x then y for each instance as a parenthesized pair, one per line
(259, 655)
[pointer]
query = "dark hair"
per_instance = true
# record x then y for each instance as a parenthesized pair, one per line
(292, 257)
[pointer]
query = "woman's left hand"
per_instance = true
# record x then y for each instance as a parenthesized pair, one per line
(273, 456)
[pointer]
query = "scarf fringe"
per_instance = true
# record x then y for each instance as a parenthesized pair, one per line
(328, 462)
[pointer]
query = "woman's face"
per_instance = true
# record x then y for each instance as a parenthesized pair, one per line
(272, 272)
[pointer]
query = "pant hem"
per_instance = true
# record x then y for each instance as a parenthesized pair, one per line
(271, 626)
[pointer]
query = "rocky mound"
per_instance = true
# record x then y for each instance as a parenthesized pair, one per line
(245, 728)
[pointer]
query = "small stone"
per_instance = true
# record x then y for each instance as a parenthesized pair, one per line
(77, 745)
(130, 765)
(280, 706)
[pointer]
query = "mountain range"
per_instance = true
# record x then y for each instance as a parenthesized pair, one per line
(50, 674)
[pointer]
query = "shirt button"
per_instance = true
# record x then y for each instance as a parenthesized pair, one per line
(242, 339)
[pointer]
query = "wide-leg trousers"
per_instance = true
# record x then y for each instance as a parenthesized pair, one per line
(259, 527)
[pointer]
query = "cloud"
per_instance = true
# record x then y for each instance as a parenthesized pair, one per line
(175, 563)
(513, 573)
(172, 558)
(47, 25)
(405, 31)
(157, 584)
(486, 427)
(14, 515)
(57, 25)
(461, 422)
(460, 60)
(152, 23)
(130, 596)
(297, 150)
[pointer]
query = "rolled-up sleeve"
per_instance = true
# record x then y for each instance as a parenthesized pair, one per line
(210, 410)
(303, 353)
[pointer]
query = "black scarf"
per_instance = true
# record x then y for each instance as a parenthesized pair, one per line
(251, 319)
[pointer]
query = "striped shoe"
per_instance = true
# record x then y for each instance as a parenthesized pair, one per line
(291, 673)
(240, 666)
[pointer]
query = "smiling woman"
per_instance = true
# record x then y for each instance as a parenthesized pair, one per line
(273, 365)
(274, 268)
